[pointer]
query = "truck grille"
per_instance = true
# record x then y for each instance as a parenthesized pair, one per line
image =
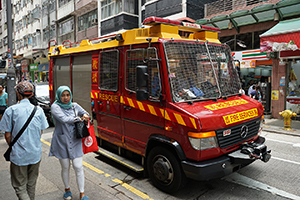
(235, 136)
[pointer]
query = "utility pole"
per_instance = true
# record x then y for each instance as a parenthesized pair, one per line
(11, 74)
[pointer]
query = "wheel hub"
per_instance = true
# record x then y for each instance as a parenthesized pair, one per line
(161, 169)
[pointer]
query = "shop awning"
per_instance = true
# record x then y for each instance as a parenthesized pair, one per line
(283, 32)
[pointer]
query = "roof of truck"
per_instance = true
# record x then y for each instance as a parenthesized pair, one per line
(155, 28)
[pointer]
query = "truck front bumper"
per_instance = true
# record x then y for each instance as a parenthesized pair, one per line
(227, 164)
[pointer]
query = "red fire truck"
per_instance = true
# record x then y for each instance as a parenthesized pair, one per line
(166, 95)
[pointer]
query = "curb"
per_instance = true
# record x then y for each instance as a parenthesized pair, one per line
(279, 130)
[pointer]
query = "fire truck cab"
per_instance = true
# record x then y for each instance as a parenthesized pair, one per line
(167, 93)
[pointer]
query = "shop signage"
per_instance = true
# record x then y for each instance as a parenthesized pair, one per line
(290, 54)
(44, 67)
(24, 66)
(34, 67)
(248, 58)
(24, 62)
(293, 100)
(248, 64)
(275, 95)
(282, 81)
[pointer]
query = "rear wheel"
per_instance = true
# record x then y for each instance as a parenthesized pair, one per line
(165, 170)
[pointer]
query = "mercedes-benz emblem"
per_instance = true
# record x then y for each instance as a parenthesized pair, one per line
(244, 131)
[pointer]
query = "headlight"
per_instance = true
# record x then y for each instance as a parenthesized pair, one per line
(201, 141)
(261, 124)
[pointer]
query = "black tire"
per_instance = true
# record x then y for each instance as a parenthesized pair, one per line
(164, 170)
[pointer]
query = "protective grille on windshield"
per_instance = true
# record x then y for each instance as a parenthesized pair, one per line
(200, 71)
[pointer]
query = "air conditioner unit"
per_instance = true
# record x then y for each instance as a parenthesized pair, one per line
(94, 21)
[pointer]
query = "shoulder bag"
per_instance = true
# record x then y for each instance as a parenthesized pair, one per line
(81, 131)
(7, 153)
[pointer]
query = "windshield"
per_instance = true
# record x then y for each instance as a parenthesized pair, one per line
(42, 92)
(200, 71)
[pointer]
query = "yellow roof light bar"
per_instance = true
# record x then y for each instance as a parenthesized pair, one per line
(183, 25)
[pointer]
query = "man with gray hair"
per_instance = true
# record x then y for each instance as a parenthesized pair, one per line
(26, 153)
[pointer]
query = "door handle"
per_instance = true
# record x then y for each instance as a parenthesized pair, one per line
(127, 107)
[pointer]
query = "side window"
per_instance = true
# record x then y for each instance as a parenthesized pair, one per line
(109, 70)
(147, 57)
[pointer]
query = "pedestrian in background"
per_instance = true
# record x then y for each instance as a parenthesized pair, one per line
(65, 146)
(259, 93)
(252, 84)
(253, 92)
(3, 101)
(26, 153)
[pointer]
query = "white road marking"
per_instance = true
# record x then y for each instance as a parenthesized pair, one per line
(251, 183)
(291, 143)
(284, 160)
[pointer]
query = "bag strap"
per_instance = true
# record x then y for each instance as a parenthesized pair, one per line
(23, 128)
(74, 111)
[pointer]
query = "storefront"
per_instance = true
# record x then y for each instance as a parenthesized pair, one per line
(292, 60)
(24, 69)
(44, 72)
(282, 41)
(255, 68)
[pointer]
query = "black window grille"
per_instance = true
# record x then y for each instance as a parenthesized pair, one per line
(137, 57)
(109, 70)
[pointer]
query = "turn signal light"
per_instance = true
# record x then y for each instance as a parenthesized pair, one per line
(202, 135)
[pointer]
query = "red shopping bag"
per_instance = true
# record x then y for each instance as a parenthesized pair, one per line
(89, 144)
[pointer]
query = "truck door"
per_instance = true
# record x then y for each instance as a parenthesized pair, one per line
(81, 81)
(141, 119)
(61, 73)
(108, 104)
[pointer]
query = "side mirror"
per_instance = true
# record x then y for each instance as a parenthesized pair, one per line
(142, 77)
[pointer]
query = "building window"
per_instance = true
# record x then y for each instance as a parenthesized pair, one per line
(52, 32)
(34, 40)
(129, 6)
(66, 27)
(45, 10)
(24, 21)
(29, 39)
(46, 35)
(87, 20)
(36, 13)
(62, 2)
(51, 6)
(28, 20)
(110, 8)
(17, 45)
(21, 43)
(109, 70)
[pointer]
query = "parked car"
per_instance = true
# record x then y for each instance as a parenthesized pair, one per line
(42, 99)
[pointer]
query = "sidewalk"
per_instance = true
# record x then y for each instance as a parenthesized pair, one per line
(276, 126)
(49, 184)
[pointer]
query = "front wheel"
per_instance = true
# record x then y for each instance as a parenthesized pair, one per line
(164, 170)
